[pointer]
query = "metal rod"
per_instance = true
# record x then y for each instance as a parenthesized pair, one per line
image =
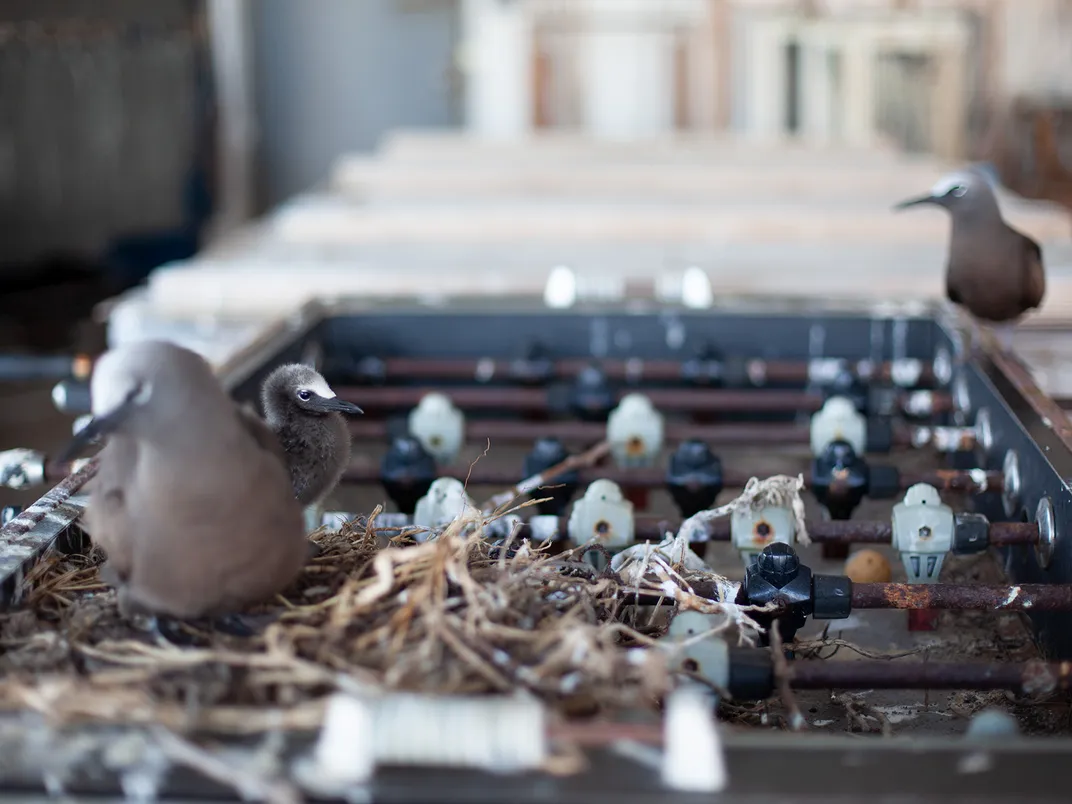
(876, 532)
(1001, 534)
(590, 433)
(735, 434)
(758, 371)
(700, 400)
(949, 480)
(44, 367)
(1033, 677)
(962, 597)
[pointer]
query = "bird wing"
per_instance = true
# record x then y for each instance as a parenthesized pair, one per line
(228, 533)
(262, 434)
(107, 519)
(1034, 286)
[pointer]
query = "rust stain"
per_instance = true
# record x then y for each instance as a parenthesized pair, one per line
(82, 367)
(762, 533)
(907, 596)
(958, 480)
(603, 530)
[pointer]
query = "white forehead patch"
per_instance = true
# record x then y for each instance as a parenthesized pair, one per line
(111, 384)
(320, 387)
(948, 182)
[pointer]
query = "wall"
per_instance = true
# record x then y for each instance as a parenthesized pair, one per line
(1037, 43)
(96, 122)
(336, 80)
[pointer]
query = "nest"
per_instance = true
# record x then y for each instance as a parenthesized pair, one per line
(451, 615)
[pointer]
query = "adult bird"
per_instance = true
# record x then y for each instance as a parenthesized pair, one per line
(192, 506)
(308, 419)
(992, 270)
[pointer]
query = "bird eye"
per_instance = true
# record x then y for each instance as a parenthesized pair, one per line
(959, 190)
(304, 395)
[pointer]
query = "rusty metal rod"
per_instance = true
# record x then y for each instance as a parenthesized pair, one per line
(589, 433)
(1034, 678)
(45, 367)
(963, 597)
(648, 528)
(735, 434)
(951, 480)
(484, 370)
(876, 532)
(699, 400)
(1031, 678)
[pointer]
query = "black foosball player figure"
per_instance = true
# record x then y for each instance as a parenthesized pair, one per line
(777, 576)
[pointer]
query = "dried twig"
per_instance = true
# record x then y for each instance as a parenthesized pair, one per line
(779, 490)
(781, 678)
(584, 460)
(440, 616)
(813, 649)
(861, 713)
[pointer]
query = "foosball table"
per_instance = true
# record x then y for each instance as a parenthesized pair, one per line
(883, 491)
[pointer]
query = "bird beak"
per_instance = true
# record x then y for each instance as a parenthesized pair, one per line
(100, 425)
(915, 202)
(330, 404)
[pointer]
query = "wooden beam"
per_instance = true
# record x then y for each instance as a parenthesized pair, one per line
(229, 35)
(722, 40)
(682, 116)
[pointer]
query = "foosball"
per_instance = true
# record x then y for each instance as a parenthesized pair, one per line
(637, 551)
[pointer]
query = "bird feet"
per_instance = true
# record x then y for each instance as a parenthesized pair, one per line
(194, 632)
(179, 631)
(187, 631)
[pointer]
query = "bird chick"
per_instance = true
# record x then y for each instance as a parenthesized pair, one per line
(192, 509)
(992, 270)
(307, 418)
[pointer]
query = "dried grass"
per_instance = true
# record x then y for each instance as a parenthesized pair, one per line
(442, 616)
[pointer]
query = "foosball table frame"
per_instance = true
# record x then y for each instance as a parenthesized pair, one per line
(1020, 435)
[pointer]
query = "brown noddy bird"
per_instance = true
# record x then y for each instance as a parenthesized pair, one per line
(191, 503)
(308, 419)
(992, 270)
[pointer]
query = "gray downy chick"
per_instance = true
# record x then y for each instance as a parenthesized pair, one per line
(309, 421)
(191, 505)
(992, 270)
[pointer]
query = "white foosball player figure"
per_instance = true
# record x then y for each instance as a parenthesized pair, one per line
(753, 529)
(602, 514)
(439, 426)
(635, 432)
(922, 532)
(838, 420)
(445, 501)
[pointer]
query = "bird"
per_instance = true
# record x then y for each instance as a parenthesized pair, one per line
(993, 271)
(308, 420)
(191, 503)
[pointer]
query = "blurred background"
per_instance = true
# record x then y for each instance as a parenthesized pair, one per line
(259, 152)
